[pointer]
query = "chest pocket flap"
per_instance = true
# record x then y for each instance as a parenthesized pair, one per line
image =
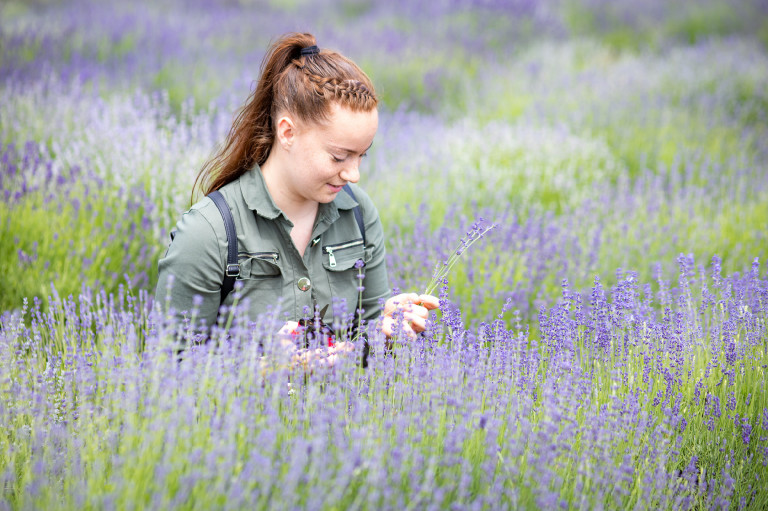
(343, 256)
(259, 265)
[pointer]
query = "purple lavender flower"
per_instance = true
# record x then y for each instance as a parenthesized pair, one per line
(746, 430)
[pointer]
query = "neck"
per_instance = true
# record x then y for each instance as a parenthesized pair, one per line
(295, 207)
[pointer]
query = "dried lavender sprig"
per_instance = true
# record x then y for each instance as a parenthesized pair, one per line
(476, 232)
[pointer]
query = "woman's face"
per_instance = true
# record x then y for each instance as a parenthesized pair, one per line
(324, 157)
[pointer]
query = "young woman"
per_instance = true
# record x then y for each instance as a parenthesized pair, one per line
(303, 238)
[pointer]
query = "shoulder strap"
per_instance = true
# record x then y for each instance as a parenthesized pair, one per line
(233, 268)
(357, 211)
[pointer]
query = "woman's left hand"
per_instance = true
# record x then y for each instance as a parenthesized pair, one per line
(322, 358)
(412, 308)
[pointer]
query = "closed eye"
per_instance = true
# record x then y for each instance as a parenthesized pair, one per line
(339, 160)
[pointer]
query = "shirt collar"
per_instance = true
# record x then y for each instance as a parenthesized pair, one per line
(257, 197)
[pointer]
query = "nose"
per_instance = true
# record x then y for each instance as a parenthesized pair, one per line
(351, 172)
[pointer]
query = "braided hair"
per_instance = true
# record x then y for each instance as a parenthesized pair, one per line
(302, 83)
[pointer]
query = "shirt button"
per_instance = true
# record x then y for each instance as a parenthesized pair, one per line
(304, 283)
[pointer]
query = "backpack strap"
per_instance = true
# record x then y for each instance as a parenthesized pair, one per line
(358, 213)
(233, 268)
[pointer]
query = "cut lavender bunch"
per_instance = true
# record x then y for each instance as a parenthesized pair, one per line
(477, 231)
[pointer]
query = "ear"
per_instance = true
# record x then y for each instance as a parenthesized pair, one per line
(286, 131)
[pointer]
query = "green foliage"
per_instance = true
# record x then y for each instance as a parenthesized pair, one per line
(762, 34)
(196, 87)
(426, 83)
(627, 26)
(72, 243)
(708, 19)
(116, 452)
(353, 9)
(108, 49)
(611, 136)
(508, 106)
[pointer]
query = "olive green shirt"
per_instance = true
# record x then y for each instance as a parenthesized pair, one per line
(272, 271)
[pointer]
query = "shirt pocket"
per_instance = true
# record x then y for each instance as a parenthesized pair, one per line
(262, 280)
(259, 265)
(342, 256)
(339, 262)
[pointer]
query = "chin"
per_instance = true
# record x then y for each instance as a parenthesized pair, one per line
(326, 197)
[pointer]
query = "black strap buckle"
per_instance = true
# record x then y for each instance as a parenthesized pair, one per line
(233, 270)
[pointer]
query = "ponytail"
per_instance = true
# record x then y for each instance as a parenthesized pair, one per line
(291, 81)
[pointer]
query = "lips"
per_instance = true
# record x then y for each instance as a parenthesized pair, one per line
(336, 188)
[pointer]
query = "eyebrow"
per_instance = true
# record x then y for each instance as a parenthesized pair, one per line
(350, 150)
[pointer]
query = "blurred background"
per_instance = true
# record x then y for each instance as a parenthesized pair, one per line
(604, 137)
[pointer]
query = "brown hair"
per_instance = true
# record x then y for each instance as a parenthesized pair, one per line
(303, 85)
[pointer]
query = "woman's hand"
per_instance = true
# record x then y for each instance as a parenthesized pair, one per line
(322, 358)
(309, 359)
(288, 329)
(413, 311)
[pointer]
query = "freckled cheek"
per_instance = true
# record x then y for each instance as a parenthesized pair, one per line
(320, 172)
(325, 170)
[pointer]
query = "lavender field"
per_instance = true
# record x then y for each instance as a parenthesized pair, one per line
(603, 347)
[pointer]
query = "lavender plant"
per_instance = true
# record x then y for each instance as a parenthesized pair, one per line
(477, 231)
(558, 153)
(67, 226)
(614, 405)
(596, 135)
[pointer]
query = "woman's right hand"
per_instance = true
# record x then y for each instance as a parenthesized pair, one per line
(413, 309)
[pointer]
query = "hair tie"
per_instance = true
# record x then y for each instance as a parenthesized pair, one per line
(310, 50)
